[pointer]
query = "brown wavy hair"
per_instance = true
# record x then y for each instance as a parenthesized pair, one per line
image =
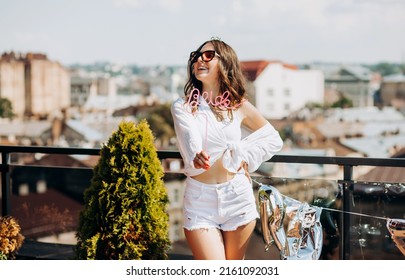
(230, 74)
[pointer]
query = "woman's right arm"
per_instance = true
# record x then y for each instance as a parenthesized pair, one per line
(189, 138)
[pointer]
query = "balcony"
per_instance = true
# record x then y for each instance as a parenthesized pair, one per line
(43, 187)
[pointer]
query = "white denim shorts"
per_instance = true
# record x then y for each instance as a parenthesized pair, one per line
(225, 206)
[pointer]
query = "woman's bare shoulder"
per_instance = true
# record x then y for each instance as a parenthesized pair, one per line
(247, 108)
(252, 118)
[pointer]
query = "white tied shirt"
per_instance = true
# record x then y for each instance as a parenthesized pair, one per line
(202, 131)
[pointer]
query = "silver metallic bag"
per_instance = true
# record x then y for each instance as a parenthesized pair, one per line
(303, 238)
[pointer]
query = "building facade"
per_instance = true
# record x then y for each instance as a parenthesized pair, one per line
(280, 89)
(392, 92)
(35, 85)
(354, 82)
(12, 82)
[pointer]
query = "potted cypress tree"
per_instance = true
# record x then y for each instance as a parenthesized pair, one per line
(124, 215)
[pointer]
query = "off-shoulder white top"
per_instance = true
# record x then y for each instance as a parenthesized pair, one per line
(202, 131)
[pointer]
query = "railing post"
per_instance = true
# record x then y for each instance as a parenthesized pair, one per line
(346, 201)
(5, 184)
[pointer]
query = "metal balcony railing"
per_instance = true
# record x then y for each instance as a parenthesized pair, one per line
(346, 182)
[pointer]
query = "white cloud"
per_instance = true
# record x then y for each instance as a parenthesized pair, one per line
(171, 5)
(237, 6)
(128, 3)
(221, 20)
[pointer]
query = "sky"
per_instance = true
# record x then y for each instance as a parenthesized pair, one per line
(164, 32)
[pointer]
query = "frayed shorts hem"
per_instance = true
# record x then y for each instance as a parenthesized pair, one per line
(200, 227)
(233, 228)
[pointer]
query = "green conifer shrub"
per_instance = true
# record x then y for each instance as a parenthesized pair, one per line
(124, 215)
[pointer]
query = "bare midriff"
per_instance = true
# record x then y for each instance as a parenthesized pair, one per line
(216, 174)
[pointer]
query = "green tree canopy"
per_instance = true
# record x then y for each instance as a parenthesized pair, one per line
(343, 102)
(6, 108)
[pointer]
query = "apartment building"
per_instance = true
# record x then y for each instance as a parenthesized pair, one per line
(279, 89)
(392, 92)
(12, 82)
(353, 81)
(35, 85)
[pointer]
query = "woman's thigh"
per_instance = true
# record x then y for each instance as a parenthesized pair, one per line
(237, 241)
(206, 244)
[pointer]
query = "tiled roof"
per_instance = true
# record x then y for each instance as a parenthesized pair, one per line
(320, 140)
(41, 214)
(87, 131)
(253, 68)
(365, 114)
(374, 146)
(27, 128)
(340, 129)
(85, 161)
(386, 173)
(395, 78)
(358, 71)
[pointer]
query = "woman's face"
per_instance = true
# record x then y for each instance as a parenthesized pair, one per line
(206, 71)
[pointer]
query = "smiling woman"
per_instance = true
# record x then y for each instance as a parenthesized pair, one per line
(219, 206)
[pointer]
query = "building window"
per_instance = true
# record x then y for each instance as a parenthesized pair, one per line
(176, 195)
(270, 92)
(287, 106)
(177, 230)
(287, 92)
(270, 106)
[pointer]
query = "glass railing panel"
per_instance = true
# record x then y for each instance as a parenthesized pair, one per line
(372, 205)
(47, 201)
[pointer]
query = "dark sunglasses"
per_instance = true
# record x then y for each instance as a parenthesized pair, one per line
(205, 56)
